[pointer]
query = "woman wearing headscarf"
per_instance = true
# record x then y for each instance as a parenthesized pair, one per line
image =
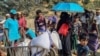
(63, 30)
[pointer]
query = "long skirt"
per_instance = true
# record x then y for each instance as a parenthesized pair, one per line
(74, 41)
(66, 45)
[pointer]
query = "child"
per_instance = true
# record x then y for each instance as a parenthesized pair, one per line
(82, 48)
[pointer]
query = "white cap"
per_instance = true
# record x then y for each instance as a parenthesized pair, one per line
(8, 15)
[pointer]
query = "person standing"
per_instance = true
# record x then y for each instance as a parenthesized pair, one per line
(63, 18)
(77, 25)
(76, 30)
(84, 23)
(93, 42)
(52, 21)
(97, 18)
(40, 22)
(64, 24)
(21, 20)
(11, 27)
(1, 32)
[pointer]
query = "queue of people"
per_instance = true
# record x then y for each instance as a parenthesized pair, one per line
(75, 33)
(74, 29)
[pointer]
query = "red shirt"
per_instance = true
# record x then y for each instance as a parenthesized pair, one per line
(22, 22)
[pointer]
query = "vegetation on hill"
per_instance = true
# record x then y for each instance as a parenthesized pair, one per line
(29, 5)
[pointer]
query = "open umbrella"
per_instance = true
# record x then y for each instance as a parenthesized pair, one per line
(69, 7)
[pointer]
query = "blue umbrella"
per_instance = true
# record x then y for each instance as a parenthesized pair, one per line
(69, 7)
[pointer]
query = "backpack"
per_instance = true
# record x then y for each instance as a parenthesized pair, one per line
(64, 29)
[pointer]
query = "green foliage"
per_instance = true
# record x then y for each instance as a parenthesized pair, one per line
(5, 6)
(26, 5)
(86, 1)
(97, 4)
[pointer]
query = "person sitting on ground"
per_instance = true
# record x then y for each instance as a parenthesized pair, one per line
(82, 48)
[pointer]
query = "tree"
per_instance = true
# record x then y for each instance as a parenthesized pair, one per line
(85, 2)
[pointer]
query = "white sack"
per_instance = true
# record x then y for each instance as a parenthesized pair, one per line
(56, 39)
(42, 40)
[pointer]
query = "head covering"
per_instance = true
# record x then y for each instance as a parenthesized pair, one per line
(8, 15)
(13, 11)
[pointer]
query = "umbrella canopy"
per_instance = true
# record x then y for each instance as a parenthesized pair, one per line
(69, 7)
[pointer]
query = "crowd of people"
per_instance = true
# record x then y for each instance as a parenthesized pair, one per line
(79, 33)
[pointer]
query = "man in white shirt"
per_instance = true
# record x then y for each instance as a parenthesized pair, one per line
(97, 18)
(84, 22)
(83, 18)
